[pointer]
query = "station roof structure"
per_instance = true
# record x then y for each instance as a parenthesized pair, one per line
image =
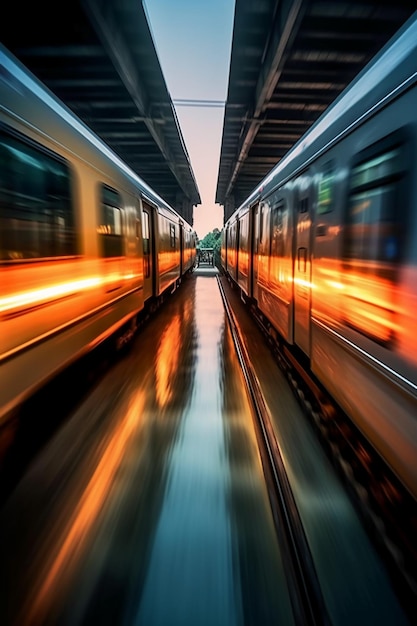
(99, 58)
(290, 59)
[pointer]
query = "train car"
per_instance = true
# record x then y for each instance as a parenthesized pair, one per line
(85, 245)
(326, 249)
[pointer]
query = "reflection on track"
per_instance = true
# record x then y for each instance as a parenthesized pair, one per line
(149, 505)
(194, 562)
(354, 581)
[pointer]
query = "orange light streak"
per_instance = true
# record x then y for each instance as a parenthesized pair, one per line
(36, 296)
(335, 284)
(86, 513)
(304, 283)
(167, 361)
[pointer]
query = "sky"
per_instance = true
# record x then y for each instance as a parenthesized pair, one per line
(193, 41)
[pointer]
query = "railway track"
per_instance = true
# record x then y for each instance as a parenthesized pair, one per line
(388, 512)
(309, 607)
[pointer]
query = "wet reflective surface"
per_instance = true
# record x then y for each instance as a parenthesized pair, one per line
(149, 505)
(354, 582)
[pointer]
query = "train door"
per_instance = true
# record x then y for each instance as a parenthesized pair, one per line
(148, 235)
(182, 259)
(243, 276)
(223, 248)
(232, 248)
(254, 251)
(302, 263)
(237, 250)
(112, 237)
(137, 233)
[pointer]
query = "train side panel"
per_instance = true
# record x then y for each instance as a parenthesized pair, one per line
(232, 250)
(71, 265)
(347, 247)
(188, 248)
(275, 260)
(364, 347)
(244, 250)
(169, 255)
(353, 310)
(72, 249)
(223, 249)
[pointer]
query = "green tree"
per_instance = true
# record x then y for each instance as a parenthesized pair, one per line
(212, 240)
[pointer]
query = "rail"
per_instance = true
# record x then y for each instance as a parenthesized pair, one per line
(304, 587)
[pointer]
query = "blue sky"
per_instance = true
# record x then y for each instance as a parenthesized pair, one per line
(193, 42)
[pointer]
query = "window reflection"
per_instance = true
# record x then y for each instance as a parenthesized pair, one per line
(36, 209)
(110, 227)
(374, 224)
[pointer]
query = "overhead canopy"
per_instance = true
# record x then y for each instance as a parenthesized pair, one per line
(290, 59)
(99, 58)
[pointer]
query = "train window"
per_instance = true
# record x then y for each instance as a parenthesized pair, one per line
(145, 226)
(325, 190)
(372, 223)
(136, 219)
(146, 244)
(278, 215)
(302, 259)
(36, 208)
(172, 235)
(244, 233)
(303, 205)
(110, 227)
(374, 230)
(261, 221)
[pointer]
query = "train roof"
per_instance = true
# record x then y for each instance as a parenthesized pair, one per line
(392, 70)
(20, 82)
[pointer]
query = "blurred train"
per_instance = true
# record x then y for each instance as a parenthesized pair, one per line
(86, 247)
(325, 248)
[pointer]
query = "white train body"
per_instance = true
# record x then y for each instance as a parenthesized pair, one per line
(326, 246)
(85, 245)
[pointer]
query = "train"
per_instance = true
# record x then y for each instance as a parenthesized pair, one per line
(87, 248)
(325, 250)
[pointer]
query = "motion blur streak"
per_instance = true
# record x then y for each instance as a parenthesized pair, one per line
(304, 283)
(86, 514)
(190, 579)
(38, 295)
(167, 361)
(324, 249)
(86, 247)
